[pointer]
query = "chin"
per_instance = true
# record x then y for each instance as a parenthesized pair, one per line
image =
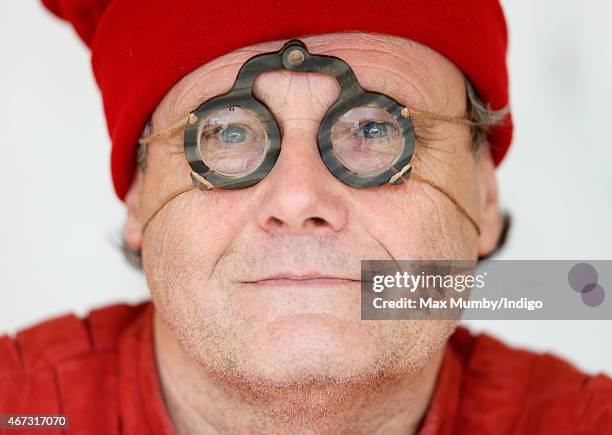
(302, 349)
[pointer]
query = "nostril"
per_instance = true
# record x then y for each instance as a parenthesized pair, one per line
(275, 222)
(317, 221)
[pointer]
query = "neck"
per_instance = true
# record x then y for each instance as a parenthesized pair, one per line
(200, 403)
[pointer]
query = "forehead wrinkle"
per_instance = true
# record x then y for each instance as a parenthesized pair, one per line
(325, 99)
(205, 85)
(265, 95)
(414, 99)
(274, 88)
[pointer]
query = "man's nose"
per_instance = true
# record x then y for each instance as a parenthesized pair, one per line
(301, 196)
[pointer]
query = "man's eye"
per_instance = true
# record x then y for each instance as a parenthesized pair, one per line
(233, 133)
(374, 129)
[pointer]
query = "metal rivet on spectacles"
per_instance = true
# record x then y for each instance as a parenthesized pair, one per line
(296, 57)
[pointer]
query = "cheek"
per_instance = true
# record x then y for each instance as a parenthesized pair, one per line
(415, 222)
(181, 248)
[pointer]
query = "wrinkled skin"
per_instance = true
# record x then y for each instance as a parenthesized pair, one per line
(239, 352)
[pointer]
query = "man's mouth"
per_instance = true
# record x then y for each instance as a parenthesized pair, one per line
(293, 279)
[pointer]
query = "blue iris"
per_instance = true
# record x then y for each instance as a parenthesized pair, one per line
(233, 134)
(374, 130)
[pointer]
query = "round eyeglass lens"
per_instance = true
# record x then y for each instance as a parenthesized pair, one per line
(232, 141)
(367, 140)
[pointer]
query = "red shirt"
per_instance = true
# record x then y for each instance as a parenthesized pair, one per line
(101, 372)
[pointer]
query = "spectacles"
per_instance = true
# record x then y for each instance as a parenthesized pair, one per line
(366, 139)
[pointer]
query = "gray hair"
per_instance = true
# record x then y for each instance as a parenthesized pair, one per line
(482, 119)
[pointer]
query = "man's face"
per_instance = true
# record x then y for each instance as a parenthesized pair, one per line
(261, 285)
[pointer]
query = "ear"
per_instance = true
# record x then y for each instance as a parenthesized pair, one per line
(491, 222)
(132, 233)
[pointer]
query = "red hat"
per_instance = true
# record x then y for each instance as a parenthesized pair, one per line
(140, 49)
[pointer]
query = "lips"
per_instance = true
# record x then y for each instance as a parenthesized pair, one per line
(293, 279)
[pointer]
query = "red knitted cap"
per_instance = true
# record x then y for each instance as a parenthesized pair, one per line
(140, 49)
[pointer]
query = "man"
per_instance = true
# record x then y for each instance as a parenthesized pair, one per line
(251, 216)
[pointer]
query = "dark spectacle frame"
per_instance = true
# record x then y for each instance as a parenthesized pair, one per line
(366, 139)
(235, 140)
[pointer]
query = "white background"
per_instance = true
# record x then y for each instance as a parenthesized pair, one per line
(61, 223)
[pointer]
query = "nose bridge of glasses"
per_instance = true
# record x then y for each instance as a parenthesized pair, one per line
(294, 56)
(297, 58)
